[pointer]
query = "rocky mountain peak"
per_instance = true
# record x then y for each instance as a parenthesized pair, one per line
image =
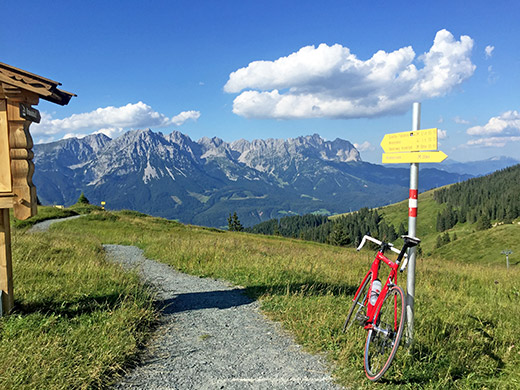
(96, 141)
(280, 152)
(240, 145)
(201, 182)
(210, 143)
(72, 150)
(179, 138)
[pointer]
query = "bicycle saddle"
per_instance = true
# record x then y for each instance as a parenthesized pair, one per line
(410, 241)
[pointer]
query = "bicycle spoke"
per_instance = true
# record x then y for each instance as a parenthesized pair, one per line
(357, 311)
(383, 340)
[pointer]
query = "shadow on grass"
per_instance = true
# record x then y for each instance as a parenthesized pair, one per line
(69, 309)
(219, 299)
(302, 289)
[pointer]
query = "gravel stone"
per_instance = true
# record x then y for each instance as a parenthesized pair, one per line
(212, 336)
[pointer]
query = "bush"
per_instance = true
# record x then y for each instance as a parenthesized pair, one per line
(132, 213)
(97, 216)
(82, 199)
(483, 223)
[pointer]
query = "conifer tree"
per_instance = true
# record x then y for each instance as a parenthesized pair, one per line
(402, 230)
(234, 224)
(483, 223)
(338, 236)
(438, 243)
(83, 199)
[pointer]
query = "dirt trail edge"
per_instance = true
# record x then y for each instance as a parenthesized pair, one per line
(212, 336)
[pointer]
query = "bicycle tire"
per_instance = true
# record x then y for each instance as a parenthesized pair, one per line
(353, 313)
(381, 347)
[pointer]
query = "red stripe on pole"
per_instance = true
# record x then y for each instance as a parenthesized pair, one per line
(412, 211)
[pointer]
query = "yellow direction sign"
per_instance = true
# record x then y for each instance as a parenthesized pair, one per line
(410, 141)
(414, 157)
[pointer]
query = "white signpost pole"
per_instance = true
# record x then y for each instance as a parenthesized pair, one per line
(412, 229)
(412, 147)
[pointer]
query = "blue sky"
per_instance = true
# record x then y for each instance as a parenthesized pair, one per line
(277, 69)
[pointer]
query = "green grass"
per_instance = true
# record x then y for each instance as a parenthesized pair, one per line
(44, 214)
(78, 320)
(49, 212)
(466, 312)
(484, 247)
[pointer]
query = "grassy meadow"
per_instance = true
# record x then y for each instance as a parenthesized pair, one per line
(78, 320)
(466, 309)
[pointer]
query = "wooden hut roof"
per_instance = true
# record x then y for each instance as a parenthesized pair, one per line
(45, 88)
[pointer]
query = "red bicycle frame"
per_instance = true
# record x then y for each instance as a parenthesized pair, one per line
(383, 337)
(373, 310)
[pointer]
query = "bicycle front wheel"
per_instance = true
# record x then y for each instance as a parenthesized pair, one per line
(383, 340)
(358, 310)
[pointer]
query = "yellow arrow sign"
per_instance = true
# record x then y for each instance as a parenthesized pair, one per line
(414, 157)
(410, 141)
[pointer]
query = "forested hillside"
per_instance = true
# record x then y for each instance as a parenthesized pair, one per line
(495, 197)
(477, 202)
(348, 229)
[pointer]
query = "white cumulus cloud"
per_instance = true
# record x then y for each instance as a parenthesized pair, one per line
(489, 51)
(110, 120)
(493, 142)
(330, 81)
(460, 121)
(184, 116)
(364, 146)
(442, 134)
(492, 75)
(112, 132)
(497, 132)
(506, 124)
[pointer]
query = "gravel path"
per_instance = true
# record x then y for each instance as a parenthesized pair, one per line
(212, 336)
(44, 225)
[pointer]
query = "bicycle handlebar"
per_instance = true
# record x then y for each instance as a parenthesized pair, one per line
(376, 241)
(390, 245)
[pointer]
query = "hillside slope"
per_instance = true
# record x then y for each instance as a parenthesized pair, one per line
(452, 221)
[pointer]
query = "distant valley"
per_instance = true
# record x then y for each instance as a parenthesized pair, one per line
(201, 182)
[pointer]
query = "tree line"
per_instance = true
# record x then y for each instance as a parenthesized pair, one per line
(494, 197)
(346, 230)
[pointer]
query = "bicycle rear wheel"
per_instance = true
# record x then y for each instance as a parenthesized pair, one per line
(358, 310)
(383, 340)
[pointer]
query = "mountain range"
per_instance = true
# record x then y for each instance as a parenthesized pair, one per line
(202, 182)
(477, 168)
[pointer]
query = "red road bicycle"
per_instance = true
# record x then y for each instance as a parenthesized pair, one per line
(381, 309)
